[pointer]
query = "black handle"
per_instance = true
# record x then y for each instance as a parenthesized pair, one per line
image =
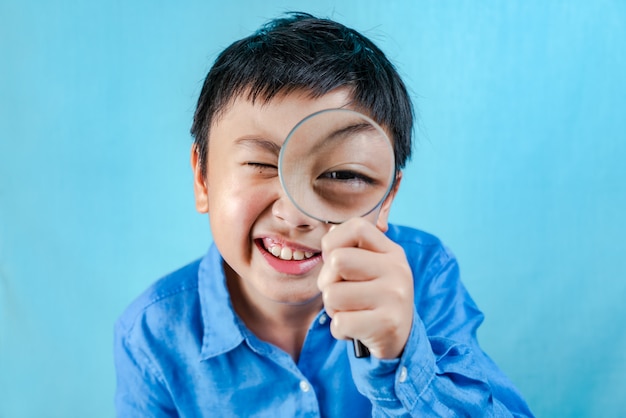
(360, 350)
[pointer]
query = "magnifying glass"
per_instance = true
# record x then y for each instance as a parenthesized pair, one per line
(337, 164)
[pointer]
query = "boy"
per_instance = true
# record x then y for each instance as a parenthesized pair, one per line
(262, 325)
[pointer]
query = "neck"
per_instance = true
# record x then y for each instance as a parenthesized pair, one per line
(281, 324)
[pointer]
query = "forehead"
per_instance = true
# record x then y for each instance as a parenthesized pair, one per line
(276, 116)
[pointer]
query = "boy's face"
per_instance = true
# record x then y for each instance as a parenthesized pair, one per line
(271, 249)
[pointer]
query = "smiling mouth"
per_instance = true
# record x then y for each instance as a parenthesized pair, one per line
(285, 252)
(287, 259)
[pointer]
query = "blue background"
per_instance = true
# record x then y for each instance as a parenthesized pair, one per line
(518, 168)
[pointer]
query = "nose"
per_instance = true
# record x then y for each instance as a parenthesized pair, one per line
(284, 209)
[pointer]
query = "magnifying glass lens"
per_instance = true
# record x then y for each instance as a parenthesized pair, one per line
(337, 164)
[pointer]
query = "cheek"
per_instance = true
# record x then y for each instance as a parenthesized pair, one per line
(233, 211)
(235, 205)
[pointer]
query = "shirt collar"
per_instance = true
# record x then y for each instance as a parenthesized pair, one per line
(221, 328)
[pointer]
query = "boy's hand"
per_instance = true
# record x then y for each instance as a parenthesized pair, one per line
(367, 287)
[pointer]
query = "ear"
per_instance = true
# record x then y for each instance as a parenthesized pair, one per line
(200, 189)
(385, 208)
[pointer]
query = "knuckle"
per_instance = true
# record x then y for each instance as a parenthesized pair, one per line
(390, 323)
(399, 293)
(335, 326)
(328, 297)
(336, 260)
(325, 243)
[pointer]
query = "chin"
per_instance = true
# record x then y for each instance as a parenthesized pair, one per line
(301, 300)
(293, 292)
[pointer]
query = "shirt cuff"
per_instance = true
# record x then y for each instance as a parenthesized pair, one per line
(397, 383)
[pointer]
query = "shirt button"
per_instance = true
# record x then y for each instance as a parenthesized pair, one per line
(403, 375)
(304, 386)
(323, 319)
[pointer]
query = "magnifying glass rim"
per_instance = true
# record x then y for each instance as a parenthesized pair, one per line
(306, 119)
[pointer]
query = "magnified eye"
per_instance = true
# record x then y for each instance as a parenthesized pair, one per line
(336, 164)
(345, 188)
(347, 176)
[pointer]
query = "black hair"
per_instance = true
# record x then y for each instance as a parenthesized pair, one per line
(303, 53)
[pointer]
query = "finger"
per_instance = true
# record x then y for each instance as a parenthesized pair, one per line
(327, 276)
(356, 232)
(352, 264)
(356, 264)
(383, 335)
(347, 325)
(341, 264)
(349, 296)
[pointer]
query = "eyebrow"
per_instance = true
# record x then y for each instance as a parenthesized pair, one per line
(346, 133)
(350, 129)
(265, 144)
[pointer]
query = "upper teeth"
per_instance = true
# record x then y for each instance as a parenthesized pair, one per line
(286, 253)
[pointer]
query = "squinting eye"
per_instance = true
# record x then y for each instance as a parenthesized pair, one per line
(254, 164)
(261, 168)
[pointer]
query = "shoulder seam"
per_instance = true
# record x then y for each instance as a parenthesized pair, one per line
(130, 322)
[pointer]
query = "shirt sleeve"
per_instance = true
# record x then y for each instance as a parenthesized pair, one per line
(442, 371)
(140, 392)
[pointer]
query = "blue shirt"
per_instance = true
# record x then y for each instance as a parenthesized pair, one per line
(181, 350)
